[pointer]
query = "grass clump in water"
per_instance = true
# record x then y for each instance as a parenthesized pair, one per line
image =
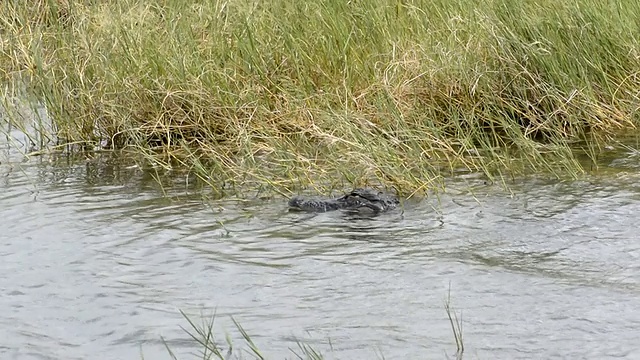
(289, 93)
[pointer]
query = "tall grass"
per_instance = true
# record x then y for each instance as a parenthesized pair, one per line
(323, 93)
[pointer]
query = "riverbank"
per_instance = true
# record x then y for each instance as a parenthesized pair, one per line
(332, 93)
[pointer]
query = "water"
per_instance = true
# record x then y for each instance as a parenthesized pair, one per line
(96, 263)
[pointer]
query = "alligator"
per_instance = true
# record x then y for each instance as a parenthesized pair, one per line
(366, 199)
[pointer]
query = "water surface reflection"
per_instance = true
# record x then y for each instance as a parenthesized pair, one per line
(97, 263)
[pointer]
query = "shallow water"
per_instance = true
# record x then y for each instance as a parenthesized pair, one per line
(96, 264)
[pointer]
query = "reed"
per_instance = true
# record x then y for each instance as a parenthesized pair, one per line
(210, 347)
(287, 94)
(204, 338)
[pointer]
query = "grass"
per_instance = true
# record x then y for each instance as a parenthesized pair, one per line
(203, 337)
(289, 94)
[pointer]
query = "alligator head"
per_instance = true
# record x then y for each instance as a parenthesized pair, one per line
(357, 200)
(366, 198)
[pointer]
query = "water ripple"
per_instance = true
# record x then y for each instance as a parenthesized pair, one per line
(98, 266)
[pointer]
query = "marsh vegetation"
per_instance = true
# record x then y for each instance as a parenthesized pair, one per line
(285, 94)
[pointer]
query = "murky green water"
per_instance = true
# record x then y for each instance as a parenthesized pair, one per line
(96, 264)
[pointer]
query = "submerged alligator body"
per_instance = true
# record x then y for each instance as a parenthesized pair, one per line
(359, 199)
